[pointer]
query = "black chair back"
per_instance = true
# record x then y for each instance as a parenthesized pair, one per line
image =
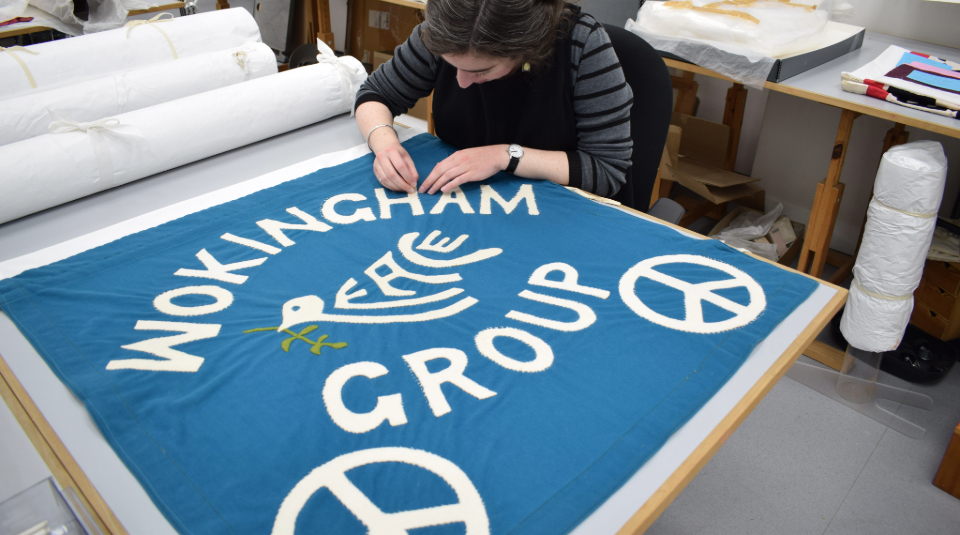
(649, 117)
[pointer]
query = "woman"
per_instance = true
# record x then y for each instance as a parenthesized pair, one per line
(531, 87)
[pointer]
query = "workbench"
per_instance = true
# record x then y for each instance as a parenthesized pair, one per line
(76, 453)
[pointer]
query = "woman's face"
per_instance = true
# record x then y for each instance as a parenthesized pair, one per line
(477, 69)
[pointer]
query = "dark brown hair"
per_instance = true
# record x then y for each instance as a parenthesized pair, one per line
(524, 29)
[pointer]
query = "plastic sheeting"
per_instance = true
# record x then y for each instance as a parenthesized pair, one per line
(770, 28)
(52, 169)
(111, 14)
(26, 116)
(59, 9)
(739, 63)
(12, 9)
(67, 61)
(900, 223)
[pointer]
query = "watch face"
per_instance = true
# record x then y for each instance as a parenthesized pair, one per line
(516, 151)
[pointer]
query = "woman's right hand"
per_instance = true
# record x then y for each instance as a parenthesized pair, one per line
(393, 166)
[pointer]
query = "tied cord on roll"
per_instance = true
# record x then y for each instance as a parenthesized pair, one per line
(153, 23)
(881, 296)
(240, 56)
(347, 74)
(914, 214)
(26, 70)
(95, 131)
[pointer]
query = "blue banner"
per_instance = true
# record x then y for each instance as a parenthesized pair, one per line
(326, 356)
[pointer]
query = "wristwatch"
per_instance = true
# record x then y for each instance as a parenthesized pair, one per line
(516, 152)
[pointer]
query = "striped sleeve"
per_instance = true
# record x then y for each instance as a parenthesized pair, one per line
(601, 105)
(403, 80)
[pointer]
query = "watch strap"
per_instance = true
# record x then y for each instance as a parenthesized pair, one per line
(512, 166)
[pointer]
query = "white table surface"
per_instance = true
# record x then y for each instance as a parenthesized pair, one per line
(116, 484)
(825, 79)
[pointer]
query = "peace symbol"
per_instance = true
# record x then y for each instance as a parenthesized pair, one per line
(694, 294)
(332, 475)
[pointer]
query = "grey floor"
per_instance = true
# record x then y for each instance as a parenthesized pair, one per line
(802, 463)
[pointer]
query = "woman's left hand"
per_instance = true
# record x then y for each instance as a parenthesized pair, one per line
(468, 165)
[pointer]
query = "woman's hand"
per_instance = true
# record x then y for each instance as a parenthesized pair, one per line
(468, 165)
(393, 166)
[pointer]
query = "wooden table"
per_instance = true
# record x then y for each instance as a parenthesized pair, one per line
(63, 433)
(822, 84)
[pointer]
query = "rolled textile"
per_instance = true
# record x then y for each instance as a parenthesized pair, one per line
(67, 61)
(900, 223)
(874, 322)
(52, 169)
(914, 180)
(26, 116)
(893, 250)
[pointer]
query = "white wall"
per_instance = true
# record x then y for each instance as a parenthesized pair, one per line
(793, 152)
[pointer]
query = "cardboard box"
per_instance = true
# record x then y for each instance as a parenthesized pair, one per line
(420, 109)
(695, 160)
(845, 39)
(792, 252)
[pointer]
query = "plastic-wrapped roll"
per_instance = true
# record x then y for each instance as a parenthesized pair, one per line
(900, 224)
(912, 179)
(893, 250)
(874, 322)
(67, 61)
(83, 159)
(26, 116)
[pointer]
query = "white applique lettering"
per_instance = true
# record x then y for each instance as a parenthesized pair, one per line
(694, 294)
(543, 353)
(454, 196)
(568, 283)
(217, 271)
(253, 244)
(395, 272)
(412, 199)
(344, 298)
(275, 228)
(173, 360)
(389, 408)
(309, 308)
(525, 193)
(469, 508)
(453, 374)
(329, 210)
(406, 249)
(585, 315)
(164, 302)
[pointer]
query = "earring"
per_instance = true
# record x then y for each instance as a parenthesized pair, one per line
(526, 66)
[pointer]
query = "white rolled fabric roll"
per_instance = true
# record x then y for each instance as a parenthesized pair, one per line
(26, 116)
(873, 323)
(893, 250)
(911, 177)
(52, 169)
(900, 224)
(68, 61)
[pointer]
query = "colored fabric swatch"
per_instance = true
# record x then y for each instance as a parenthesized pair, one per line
(911, 57)
(912, 74)
(323, 354)
(936, 70)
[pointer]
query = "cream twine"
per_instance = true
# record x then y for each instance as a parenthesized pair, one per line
(26, 70)
(153, 23)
